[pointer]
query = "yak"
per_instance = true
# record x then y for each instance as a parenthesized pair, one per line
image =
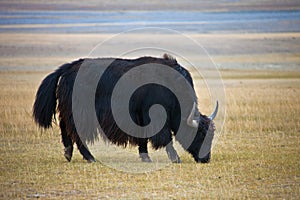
(54, 95)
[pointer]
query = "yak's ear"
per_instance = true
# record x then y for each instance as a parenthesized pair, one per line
(169, 57)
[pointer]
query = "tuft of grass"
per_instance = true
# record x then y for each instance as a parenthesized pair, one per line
(257, 156)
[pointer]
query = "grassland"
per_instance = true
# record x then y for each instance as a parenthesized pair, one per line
(257, 155)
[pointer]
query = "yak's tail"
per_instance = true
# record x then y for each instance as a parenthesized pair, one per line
(44, 107)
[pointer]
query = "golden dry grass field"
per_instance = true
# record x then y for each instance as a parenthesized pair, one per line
(257, 155)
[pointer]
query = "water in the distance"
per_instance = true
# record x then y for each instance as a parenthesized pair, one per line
(183, 21)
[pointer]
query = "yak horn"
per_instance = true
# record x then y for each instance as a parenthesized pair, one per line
(190, 120)
(214, 114)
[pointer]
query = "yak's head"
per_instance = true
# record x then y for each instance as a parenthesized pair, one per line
(201, 145)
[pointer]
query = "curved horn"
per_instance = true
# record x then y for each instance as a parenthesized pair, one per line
(214, 114)
(190, 120)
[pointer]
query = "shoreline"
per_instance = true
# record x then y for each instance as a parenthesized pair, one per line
(154, 5)
(36, 51)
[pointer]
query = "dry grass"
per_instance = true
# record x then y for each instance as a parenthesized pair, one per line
(45, 51)
(257, 156)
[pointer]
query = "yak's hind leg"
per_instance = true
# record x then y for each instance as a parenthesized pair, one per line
(66, 140)
(143, 150)
(172, 154)
(84, 150)
(68, 144)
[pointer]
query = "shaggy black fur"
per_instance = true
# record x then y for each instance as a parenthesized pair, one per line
(58, 86)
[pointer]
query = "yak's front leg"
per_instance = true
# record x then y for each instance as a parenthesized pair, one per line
(143, 150)
(172, 154)
(66, 140)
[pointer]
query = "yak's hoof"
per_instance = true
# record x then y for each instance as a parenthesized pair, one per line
(68, 157)
(68, 153)
(146, 160)
(205, 160)
(174, 157)
(177, 160)
(145, 157)
(91, 160)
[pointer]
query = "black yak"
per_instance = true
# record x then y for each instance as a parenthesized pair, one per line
(58, 87)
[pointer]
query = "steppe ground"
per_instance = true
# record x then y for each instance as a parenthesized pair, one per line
(256, 156)
(257, 152)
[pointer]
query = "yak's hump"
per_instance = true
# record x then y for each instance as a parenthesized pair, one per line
(169, 57)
